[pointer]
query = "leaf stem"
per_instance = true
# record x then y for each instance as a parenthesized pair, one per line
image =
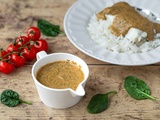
(149, 96)
(62, 33)
(112, 92)
(26, 102)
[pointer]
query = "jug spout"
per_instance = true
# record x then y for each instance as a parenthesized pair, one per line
(79, 91)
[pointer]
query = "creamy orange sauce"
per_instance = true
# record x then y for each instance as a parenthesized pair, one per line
(60, 75)
(127, 17)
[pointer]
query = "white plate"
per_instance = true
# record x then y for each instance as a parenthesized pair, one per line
(76, 21)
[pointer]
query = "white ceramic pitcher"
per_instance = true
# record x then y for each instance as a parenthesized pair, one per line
(59, 98)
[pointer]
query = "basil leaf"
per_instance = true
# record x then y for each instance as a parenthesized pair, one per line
(48, 29)
(10, 98)
(99, 103)
(137, 88)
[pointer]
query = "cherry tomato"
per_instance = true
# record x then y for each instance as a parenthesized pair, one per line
(33, 33)
(22, 40)
(41, 45)
(17, 60)
(3, 53)
(6, 67)
(12, 47)
(29, 53)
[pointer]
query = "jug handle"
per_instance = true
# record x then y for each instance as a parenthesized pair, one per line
(41, 54)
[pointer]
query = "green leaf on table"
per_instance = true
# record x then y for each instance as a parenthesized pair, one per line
(10, 98)
(49, 29)
(137, 88)
(99, 103)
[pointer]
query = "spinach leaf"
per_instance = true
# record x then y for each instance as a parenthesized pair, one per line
(137, 88)
(48, 28)
(99, 103)
(10, 98)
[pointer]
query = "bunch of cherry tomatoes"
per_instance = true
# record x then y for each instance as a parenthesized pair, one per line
(23, 49)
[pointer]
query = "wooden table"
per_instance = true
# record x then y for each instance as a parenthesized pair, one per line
(16, 16)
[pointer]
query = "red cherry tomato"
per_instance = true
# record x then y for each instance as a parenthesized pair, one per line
(41, 45)
(29, 53)
(6, 67)
(33, 33)
(22, 40)
(17, 60)
(3, 53)
(12, 48)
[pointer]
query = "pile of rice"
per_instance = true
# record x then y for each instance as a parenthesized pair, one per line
(102, 36)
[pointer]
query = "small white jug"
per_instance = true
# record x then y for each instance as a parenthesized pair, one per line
(59, 98)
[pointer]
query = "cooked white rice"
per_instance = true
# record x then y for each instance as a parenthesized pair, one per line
(102, 36)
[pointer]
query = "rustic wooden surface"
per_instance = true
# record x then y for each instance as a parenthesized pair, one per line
(18, 15)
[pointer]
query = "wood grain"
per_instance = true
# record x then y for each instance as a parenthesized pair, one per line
(18, 15)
